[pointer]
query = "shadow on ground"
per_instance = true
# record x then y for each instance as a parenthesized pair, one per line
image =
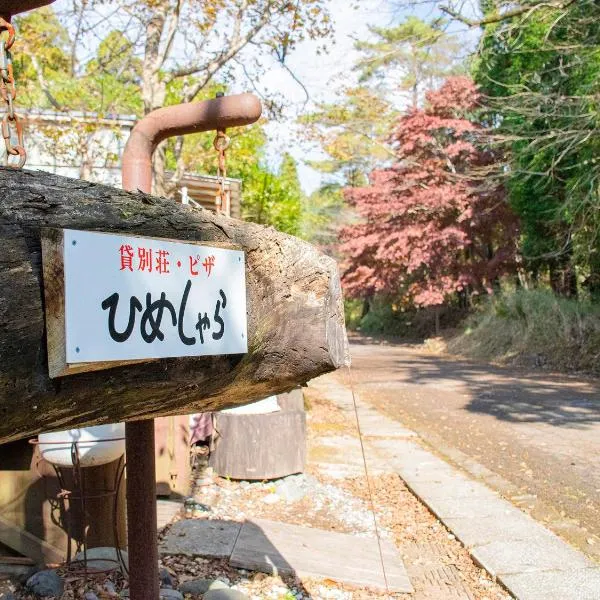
(243, 545)
(506, 393)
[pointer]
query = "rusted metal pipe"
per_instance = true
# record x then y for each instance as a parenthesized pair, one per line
(142, 542)
(160, 124)
(220, 113)
(8, 8)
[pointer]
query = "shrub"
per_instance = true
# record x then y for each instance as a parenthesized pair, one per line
(536, 325)
(387, 318)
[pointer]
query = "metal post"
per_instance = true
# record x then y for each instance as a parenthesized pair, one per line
(141, 510)
(158, 125)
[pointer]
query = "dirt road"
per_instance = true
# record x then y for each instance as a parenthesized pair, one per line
(533, 436)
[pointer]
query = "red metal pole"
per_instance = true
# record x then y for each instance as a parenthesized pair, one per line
(220, 113)
(141, 511)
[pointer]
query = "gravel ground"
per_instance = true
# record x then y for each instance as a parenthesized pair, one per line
(317, 500)
(342, 505)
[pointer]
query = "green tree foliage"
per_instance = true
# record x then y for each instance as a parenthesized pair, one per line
(410, 57)
(109, 84)
(109, 81)
(539, 70)
(106, 84)
(159, 52)
(269, 196)
(351, 133)
(323, 215)
(274, 198)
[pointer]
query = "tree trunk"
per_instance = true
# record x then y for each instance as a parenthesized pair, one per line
(563, 279)
(295, 312)
(366, 307)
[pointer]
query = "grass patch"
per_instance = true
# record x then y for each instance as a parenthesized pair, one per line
(533, 327)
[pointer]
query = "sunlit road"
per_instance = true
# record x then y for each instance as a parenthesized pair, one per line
(533, 436)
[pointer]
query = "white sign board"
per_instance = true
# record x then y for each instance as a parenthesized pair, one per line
(130, 297)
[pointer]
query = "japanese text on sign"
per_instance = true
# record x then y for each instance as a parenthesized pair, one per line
(132, 298)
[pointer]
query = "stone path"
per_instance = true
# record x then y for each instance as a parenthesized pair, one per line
(166, 510)
(201, 537)
(280, 548)
(285, 549)
(532, 436)
(527, 558)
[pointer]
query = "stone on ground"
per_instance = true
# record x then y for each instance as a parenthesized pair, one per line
(46, 583)
(169, 594)
(197, 587)
(104, 558)
(291, 489)
(227, 594)
(165, 578)
(109, 588)
(199, 537)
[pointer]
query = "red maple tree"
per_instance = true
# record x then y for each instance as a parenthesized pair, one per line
(429, 225)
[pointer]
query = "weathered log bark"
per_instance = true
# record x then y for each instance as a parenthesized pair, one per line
(295, 313)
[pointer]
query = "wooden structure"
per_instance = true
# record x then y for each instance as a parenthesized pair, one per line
(172, 446)
(295, 333)
(34, 522)
(295, 329)
(203, 190)
(262, 446)
(173, 433)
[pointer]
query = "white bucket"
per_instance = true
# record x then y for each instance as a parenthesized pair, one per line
(92, 450)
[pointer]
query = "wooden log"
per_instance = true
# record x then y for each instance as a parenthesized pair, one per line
(28, 544)
(295, 312)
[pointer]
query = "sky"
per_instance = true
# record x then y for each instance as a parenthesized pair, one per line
(322, 76)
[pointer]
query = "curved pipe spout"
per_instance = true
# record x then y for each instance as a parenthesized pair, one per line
(160, 124)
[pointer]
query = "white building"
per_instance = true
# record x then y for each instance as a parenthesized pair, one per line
(88, 146)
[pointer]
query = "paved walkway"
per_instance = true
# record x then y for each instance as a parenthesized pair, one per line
(526, 557)
(283, 549)
(166, 510)
(530, 435)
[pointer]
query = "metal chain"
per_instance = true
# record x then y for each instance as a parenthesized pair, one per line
(221, 143)
(12, 127)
